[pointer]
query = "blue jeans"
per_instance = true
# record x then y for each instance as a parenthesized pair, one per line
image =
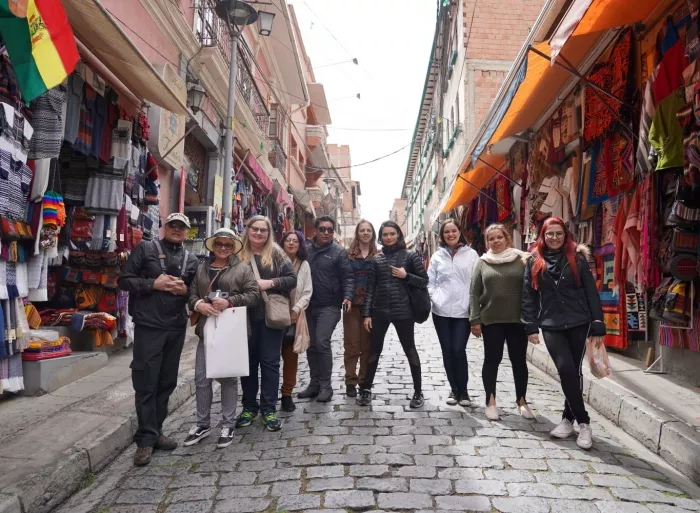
(453, 334)
(264, 348)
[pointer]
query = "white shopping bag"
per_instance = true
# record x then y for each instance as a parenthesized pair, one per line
(226, 344)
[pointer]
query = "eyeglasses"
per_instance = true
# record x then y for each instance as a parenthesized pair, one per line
(554, 235)
(323, 229)
(292, 242)
(177, 226)
(223, 245)
(255, 229)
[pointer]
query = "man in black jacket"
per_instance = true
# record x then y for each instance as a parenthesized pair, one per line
(157, 275)
(333, 282)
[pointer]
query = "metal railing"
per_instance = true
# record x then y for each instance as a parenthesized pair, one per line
(280, 155)
(211, 31)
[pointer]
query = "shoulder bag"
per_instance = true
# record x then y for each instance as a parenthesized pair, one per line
(276, 305)
(419, 298)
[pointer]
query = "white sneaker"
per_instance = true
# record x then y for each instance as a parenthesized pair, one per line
(526, 412)
(564, 430)
(585, 437)
(491, 413)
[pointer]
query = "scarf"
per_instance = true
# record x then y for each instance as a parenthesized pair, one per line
(504, 257)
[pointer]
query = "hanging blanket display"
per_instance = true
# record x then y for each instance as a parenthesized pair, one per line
(248, 201)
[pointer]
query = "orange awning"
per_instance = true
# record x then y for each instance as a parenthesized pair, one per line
(480, 176)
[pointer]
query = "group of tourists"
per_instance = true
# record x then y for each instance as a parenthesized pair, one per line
(506, 297)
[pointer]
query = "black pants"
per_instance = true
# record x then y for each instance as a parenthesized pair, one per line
(495, 335)
(156, 360)
(404, 329)
(264, 351)
(567, 348)
(453, 334)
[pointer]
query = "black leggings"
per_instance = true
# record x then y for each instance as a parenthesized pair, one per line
(404, 329)
(495, 335)
(567, 348)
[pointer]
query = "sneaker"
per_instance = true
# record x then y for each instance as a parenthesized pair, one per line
(526, 412)
(309, 393)
(564, 430)
(143, 456)
(288, 403)
(165, 444)
(196, 434)
(491, 413)
(351, 391)
(585, 436)
(365, 398)
(246, 418)
(464, 399)
(226, 437)
(452, 399)
(325, 395)
(272, 423)
(417, 401)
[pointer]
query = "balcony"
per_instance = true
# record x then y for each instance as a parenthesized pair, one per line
(212, 32)
(277, 156)
(315, 135)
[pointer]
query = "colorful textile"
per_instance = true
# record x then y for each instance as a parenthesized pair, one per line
(644, 164)
(666, 133)
(40, 44)
(613, 304)
(635, 305)
(670, 76)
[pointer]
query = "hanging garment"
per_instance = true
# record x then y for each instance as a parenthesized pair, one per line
(47, 123)
(645, 158)
(666, 133)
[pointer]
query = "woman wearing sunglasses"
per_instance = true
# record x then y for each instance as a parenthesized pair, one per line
(276, 276)
(222, 272)
(560, 297)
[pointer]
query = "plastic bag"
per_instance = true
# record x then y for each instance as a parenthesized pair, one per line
(598, 360)
(302, 340)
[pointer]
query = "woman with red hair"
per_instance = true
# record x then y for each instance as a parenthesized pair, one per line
(560, 298)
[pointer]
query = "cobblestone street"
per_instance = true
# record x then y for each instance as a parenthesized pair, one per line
(340, 457)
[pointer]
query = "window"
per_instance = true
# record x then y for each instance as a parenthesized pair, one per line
(457, 120)
(452, 122)
(272, 130)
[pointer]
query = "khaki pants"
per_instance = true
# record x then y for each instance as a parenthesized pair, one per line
(356, 343)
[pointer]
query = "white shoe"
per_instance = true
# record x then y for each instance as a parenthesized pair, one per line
(585, 437)
(491, 413)
(564, 430)
(526, 412)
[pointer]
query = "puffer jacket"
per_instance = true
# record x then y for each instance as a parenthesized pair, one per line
(559, 303)
(449, 281)
(155, 308)
(238, 280)
(332, 275)
(387, 297)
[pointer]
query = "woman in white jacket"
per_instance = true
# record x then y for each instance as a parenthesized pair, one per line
(293, 244)
(449, 280)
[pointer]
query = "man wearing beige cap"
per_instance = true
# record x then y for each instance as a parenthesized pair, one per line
(157, 276)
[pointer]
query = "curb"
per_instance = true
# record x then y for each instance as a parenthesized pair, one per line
(663, 434)
(46, 489)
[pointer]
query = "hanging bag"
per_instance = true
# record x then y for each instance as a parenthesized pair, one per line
(419, 298)
(302, 339)
(276, 306)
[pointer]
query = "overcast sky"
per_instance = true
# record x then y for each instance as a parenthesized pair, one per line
(392, 40)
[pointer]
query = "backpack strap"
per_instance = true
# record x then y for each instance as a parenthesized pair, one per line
(161, 256)
(184, 263)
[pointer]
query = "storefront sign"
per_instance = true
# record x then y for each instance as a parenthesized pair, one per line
(259, 172)
(218, 196)
(167, 128)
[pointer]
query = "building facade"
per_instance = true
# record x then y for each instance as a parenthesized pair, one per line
(348, 203)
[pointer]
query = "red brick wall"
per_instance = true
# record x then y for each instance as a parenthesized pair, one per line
(499, 27)
(486, 85)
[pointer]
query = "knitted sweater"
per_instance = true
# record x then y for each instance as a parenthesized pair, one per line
(496, 292)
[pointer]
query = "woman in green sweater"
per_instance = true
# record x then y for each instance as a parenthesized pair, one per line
(496, 298)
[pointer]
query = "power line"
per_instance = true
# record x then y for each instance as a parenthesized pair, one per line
(363, 163)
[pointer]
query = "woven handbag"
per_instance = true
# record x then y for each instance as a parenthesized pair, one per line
(685, 240)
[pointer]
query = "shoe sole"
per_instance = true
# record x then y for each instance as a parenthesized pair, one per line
(324, 400)
(415, 407)
(305, 396)
(196, 440)
(242, 425)
(561, 437)
(142, 464)
(224, 445)
(289, 410)
(451, 402)
(273, 430)
(465, 403)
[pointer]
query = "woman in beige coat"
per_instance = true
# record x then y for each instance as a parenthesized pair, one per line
(222, 272)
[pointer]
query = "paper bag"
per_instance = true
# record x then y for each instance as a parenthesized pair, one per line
(226, 344)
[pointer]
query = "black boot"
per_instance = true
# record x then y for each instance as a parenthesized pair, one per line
(351, 391)
(309, 393)
(288, 403)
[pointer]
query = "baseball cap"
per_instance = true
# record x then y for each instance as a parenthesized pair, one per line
(177, 216)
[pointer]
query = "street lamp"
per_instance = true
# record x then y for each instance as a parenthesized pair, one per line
(236, 14)
(195, 96)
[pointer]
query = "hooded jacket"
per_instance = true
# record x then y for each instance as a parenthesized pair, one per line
(238, 281)
(332, 277)
(155, 308)
(449, 282)
(387, 297)
(559, 303)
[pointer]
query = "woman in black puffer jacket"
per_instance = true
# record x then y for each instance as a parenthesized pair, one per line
(387, 302)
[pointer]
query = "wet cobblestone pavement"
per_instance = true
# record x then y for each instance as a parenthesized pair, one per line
(338, 457)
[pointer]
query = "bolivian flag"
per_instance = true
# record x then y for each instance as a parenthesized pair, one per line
(40, 43)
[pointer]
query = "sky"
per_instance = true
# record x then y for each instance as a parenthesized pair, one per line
(391, 39)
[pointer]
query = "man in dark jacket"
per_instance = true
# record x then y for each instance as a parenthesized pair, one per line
(333, 282)
(157, 276)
